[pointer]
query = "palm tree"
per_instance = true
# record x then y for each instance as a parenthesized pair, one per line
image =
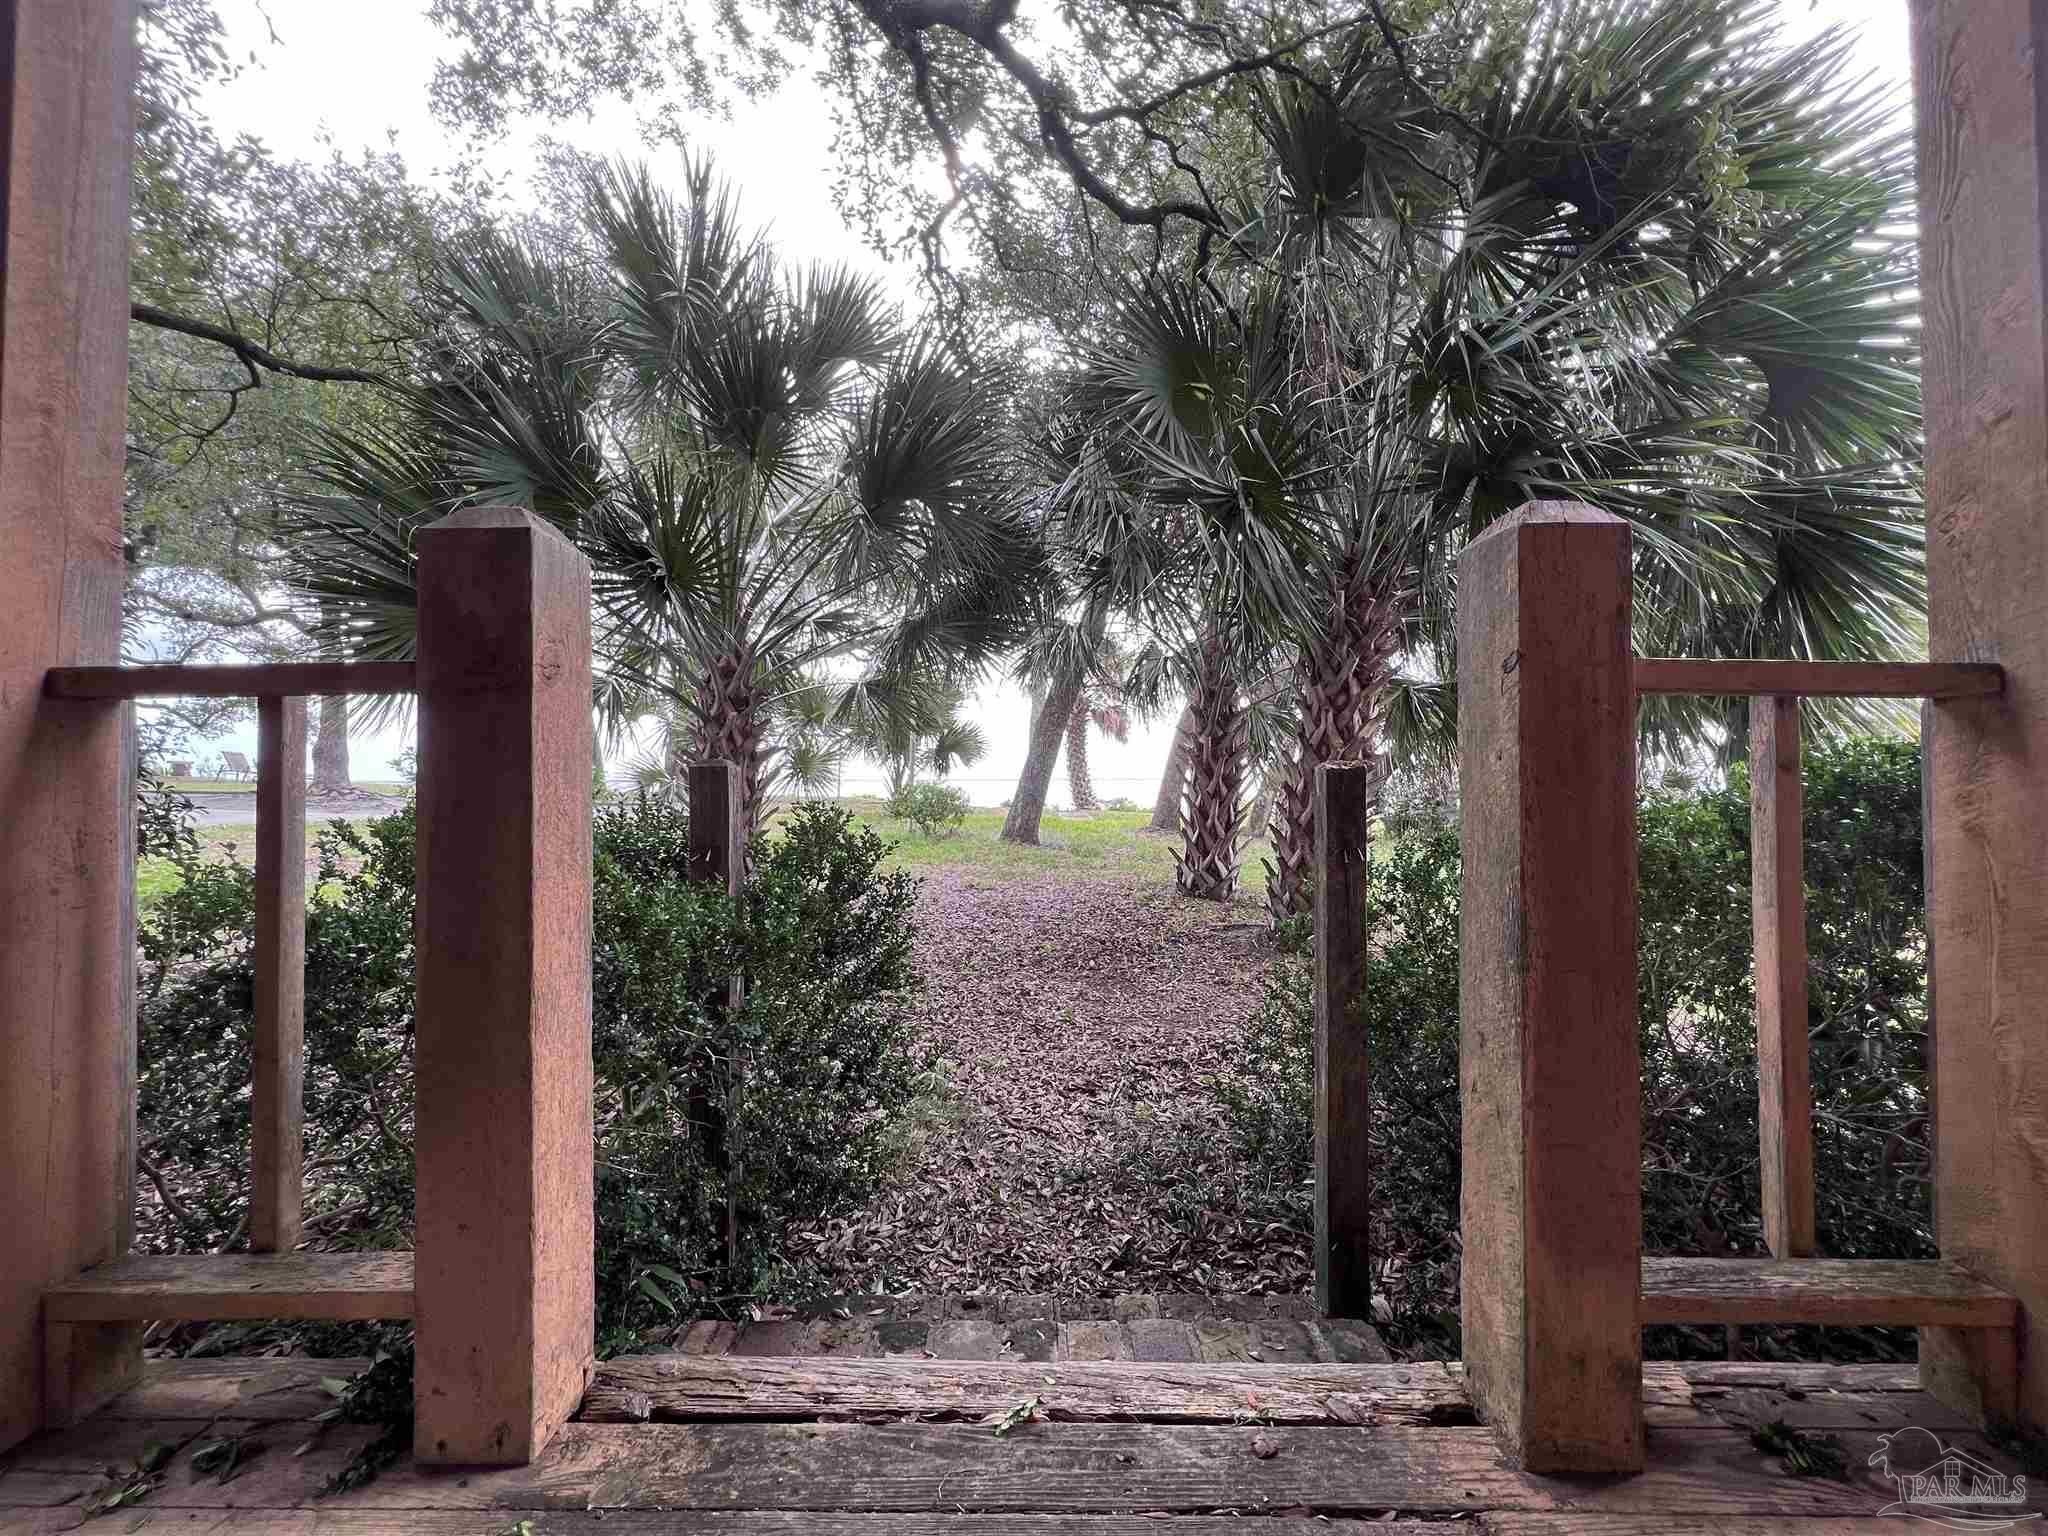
(1097, 706)
(785, 494)
(1640, 255)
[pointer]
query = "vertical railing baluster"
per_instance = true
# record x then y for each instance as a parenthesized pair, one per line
(1344, 803)
(1778, 918)
(718, 852)
(277, 1110)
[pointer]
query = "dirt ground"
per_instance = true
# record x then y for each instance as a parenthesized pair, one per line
(1081, 1023)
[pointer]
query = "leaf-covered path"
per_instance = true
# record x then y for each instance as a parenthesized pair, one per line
(1082, 1024)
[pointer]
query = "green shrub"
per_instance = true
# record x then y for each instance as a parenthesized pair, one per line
(934, 809)
(822, 935)
(1867, 941)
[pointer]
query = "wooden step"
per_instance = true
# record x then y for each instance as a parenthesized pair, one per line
(1837, 1292)
(633, 1389)
(221, 1287)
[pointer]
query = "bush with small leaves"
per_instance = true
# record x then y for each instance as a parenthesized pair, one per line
(936, 810)
(1696, 1006)
(783, 1105)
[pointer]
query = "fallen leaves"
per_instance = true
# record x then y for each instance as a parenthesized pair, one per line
(1080, 1149)
(1026, 1412)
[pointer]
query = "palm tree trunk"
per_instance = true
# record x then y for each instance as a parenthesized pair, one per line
(727, 698)
(1212, 802)
(1341, 695)
(1260, 822)
(1048, 728)
(330, 746)
(1080, 786)
(1166, 807)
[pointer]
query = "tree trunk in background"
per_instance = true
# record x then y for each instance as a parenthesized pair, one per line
(1048, 729)
(1212, 804)
(728, 698)
(1341, 694)
(330, 746)
(1261, 819)
(1166, 809)
(1079, 784)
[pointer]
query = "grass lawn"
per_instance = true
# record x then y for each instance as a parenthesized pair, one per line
(248, 786)
(1109, 845)
(157, 878)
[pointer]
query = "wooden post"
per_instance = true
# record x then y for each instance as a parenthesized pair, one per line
(1981, 71)
(1549, 1065)
(718, 843)
(277, 1108)
(1345, 795)
(67, 883)
(1777, 905)
(505, 1284)
(716, 837)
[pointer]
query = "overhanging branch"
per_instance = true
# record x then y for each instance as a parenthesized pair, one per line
(253, 355)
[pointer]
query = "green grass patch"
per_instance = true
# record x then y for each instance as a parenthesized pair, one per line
(157, 878)
(1109, 845)
(248, 786)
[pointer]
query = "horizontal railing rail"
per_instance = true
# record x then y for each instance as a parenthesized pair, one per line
(273, 680)
(1778, 885)
(1733, 677)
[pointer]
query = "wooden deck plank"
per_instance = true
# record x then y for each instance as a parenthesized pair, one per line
(42, 1522)
(1050, 1469)
(1818, 679)
(30, 1489)
(1074, 1468)
(1059, 1469)
(332, 1521)
(286, 679)
(1864, 1376)
(1516, 1523)
(229, 1286)
(1849, 1292)
(270, 1389)
(1742, 1407)
(90, 1446)
(1044, 1479)
(636, 1388)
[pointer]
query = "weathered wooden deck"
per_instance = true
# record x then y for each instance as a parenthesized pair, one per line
(738, 1443)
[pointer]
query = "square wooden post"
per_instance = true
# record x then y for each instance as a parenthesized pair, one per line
(718, 852)
(1345, 796)
(717, 839)
(278, 1103)
(1981, 77)
(505, 1289)
(1549, 1064)
(1777, 896)
(67, 878)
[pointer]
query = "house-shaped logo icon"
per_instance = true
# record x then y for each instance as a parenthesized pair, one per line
(1948, 1486)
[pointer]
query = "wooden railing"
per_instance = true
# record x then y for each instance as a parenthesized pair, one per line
(1778, 883)
(1345, 802)
(278, 1025)
(1555, 1286)
(500, 1280)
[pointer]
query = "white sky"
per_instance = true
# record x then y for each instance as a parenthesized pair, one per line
(359, 72)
